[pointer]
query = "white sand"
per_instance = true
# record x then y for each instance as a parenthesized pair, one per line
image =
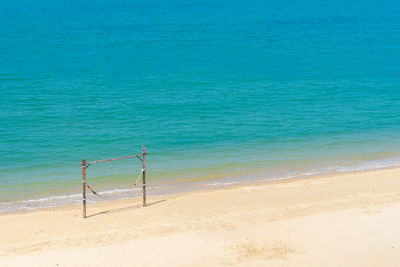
(342, 220)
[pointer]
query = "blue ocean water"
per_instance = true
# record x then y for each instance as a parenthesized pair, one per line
(215, 90)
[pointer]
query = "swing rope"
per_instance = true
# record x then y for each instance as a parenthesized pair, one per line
(137, 180)
(94, 192)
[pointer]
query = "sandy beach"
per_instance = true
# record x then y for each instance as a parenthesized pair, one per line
(337, 220)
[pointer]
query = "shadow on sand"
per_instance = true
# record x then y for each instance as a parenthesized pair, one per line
(137, 206)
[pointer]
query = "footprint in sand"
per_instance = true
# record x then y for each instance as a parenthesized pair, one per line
(252, 188)
(287, 185)
(268, 250)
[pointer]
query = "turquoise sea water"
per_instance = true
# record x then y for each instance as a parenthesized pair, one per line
(218, 91)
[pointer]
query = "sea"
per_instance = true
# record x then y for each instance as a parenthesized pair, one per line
(219, 92)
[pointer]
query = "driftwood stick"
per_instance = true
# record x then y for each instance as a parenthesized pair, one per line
(84, 187)
(144, 175)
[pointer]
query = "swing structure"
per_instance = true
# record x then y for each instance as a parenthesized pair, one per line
(85, 165)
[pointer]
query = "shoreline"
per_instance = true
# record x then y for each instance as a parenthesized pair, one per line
(345, 219)
(191, 188)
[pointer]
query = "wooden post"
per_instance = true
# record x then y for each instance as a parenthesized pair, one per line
(84, 187)
(144, 175)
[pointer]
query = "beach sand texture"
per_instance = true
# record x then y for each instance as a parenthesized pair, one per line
(337, 220)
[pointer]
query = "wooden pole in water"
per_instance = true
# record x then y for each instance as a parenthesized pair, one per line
(84, 187)
(144, 175)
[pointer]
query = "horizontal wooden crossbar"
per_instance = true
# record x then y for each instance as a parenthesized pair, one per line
(104, 160)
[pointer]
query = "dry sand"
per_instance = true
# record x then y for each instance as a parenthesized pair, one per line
(338, 220)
